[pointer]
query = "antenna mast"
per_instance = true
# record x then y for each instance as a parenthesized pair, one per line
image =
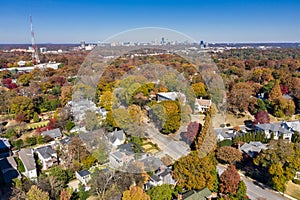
(35, 55)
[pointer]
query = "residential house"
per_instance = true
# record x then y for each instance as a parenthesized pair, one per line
(202, 105)
(274, 129)
(252, 149)
(162, 176)
(84, 176)
(117, 137)
(47, 156)
(224, 134)
(204, 194)
(173, 96)
(119, 159)
(292, 126)
(4, 148)
(53, 134)
(9, 169)
(26, 156)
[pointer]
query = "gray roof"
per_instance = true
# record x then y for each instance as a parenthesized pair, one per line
(65, 141)
(120, 135)
(46, 152)
(294, 125)
(152, 163)
(118, 155)
(253, 148)
(55, 133)
(273, 128)
(26, 157)
(155, 178)
(126, 148)
(83, 173)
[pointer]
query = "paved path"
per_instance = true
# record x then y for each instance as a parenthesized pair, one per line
(167, 144)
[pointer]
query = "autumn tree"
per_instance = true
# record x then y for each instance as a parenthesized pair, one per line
(193, 130)
(262, 117)
(194, 172)
(275, 92)
(36, 193)
(135, 193)
(64, 195)
(22, 104)
(281, 160)
(229, 180)
(107, 99)
(166, 116)
(229, 154)
(239, 97)
(199, 89)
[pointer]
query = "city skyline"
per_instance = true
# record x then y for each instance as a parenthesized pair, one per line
(213, 21)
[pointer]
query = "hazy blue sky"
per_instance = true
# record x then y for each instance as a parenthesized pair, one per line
(59, 21)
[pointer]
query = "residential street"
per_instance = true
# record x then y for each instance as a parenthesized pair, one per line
(167, 144)
(255, 191)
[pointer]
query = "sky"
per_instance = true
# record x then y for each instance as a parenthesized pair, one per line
(71, 21)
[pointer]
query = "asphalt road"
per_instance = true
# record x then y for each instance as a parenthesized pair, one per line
(254, 191)
(167, 144)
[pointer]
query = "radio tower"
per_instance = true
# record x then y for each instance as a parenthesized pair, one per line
(35, 55)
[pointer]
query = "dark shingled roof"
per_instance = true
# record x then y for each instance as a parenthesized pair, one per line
(83, 173)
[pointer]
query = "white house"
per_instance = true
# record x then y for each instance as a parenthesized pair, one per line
(26, 156)
(162, 176)
(84, 176)
(275, 129)
(202, 105)
(47, 156)
(117, 137)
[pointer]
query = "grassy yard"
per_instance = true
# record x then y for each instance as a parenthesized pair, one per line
(293, 190)
(37, 125)
(150, 147)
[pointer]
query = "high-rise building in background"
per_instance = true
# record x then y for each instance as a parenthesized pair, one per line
(82, 44)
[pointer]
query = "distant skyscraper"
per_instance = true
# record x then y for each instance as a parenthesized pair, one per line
(82, 44)
(163, 40)
(201, 44)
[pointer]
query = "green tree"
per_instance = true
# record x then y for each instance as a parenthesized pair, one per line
(36, 117)
(162, 192)
(69, 125)
(241, 191)
(92, 121)
(25, 79)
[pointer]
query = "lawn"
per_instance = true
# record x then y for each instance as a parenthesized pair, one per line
(293, 190)
(37, 125)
